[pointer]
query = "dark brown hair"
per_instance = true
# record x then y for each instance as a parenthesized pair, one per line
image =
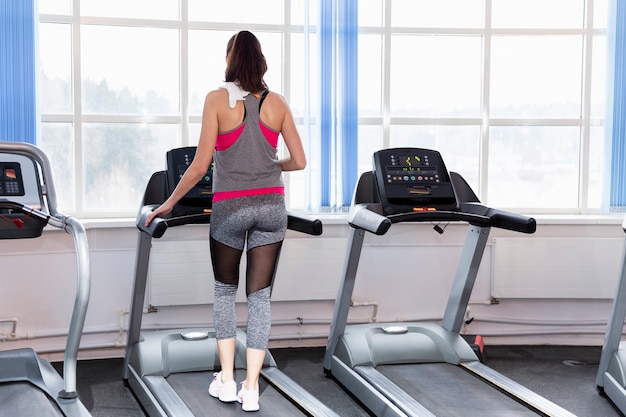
(247, 64)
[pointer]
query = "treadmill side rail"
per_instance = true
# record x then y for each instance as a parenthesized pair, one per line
(615, 391)
(168, 398)
(523, 394)
(296, 393)
(373, 399)
(390, 390)
(145, 397)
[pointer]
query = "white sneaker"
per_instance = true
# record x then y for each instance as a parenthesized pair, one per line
(249, 399)
(225, 391)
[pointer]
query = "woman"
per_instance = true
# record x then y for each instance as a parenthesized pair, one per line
(241, 123)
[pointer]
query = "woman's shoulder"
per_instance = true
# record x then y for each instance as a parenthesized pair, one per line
(276, 99)
(219, 92)
(219, 96)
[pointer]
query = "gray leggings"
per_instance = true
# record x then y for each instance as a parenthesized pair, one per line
(259, 223)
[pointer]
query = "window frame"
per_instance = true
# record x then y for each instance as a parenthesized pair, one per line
(78, 118)
(585, 122)
(383, 122)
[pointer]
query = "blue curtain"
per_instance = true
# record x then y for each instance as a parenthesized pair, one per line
(339, 98)
(18, 108)
(616, 117)
(348, 64)
(327, 98)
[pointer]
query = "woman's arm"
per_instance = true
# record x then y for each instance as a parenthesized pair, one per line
(200, 164)
(297, 158)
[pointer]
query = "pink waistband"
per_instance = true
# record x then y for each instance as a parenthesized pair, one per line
(225, 195)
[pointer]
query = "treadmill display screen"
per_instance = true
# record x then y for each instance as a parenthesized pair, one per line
(200, 198)
(412, 179)
(204, 186)
(178, 160)
(11, 183)
(411, 169)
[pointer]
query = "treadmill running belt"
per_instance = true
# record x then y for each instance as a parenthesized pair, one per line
(193, 387)
(450, 391)
(24, 399)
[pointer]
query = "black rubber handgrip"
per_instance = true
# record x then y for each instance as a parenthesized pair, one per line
(513, 221)
(156, 228)
(503, 219)
(304, 224)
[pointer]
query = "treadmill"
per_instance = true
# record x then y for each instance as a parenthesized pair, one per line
(29, 385)
(169, 371)
(611, 378)
(422, 369)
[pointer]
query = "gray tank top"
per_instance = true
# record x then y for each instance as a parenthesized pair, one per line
(251, 162)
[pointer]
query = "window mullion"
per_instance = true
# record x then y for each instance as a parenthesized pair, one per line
(583, 203)
(483, 173)
(386, 141)
(78, 112)
(184, 72)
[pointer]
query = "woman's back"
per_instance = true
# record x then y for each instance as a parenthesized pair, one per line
(273, 111)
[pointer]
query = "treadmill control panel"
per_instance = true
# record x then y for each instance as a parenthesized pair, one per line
(201, 195)
(413, 179)
(21, 192)
(11, 182)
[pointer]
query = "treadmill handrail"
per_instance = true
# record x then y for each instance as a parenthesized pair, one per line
(369, 217)
(13, 205)
(502, 219)
(158, 226)
(304, 224)
(444, 215)
(83, 289)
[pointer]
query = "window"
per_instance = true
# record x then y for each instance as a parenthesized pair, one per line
(512, 98)
(121, 83)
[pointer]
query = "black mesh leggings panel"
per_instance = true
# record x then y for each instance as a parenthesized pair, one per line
(262, 262)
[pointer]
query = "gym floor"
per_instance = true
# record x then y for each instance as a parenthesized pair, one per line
(563, 374)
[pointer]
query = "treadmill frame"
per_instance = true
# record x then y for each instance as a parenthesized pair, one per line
(366, 215)
(611, 377)
(147, 380)
(40, 374)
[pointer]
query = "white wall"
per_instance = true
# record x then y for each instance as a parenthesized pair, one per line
(404, 275)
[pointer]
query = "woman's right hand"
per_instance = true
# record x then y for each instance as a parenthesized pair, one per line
(162, 209)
